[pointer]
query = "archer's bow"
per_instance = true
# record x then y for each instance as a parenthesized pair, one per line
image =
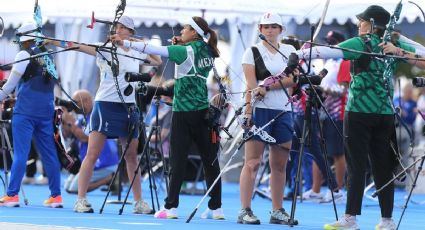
(423, 13)
(322, 19)
(114, 58)
(1, 27)
(114, 62)
(48, 62)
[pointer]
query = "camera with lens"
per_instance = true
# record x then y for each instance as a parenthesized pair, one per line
(418, 81)
(8, 109)
(151, 91)
(302, 79)
(69, 105)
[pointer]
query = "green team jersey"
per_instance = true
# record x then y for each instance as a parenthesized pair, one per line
(193, 63)
(368, 93)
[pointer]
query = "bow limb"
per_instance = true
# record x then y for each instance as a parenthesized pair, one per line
(49, 64)
(1, 27)
(114, 57)
(114, 63)
(423, 13)
(322, 19)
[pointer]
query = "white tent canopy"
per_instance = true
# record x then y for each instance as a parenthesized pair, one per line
(173, 11)
(146, 11)
(71, 18)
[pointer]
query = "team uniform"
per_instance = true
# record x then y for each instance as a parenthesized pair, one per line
(109, 115)
(189, 121)
(369, 125)
(33, 117)
(274, 101)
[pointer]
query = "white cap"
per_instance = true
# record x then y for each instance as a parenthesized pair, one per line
(29, 26)
(271, 18)
(127, 22)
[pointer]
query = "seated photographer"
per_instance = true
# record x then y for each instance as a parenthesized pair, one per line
(106, 165)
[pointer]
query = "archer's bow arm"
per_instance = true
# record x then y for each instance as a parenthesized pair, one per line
(320, 52)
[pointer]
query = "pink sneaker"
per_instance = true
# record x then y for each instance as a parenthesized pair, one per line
(166, 213)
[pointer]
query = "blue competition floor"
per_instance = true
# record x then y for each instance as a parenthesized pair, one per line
(310, 215)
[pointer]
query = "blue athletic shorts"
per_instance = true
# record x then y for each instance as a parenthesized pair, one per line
(112, 119)
(282, 129)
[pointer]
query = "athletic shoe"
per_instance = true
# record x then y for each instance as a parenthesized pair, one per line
(311, 195)
(82, 206)
(386, 224)
(166, 213)
(338, 196)
(344, 223)
(280, 217)
(54, 202)
(9, 201)
(246, 216)
(41, 180)
(28, 180)
(141, 207)
(216, 214)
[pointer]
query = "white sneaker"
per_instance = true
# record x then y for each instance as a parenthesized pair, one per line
(41, 180)
(344, 223)
(68, 181)
(386, 224)
(166, 213)
(338, 196)
(28, 180)
(311, 195)
(216, 214)
(82, 206)
(141, 207)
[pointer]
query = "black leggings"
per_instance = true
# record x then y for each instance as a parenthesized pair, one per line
(368, 135)
(185, 128)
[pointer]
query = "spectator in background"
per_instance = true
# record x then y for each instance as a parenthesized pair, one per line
(164, 121)
(408, 111)
(335, 86)
(107, 162)
(292, 40)
(420, 121)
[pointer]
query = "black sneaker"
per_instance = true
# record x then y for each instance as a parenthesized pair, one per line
(246, 216)
(280, 217)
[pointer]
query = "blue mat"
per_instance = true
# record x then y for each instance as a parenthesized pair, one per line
(310, 215)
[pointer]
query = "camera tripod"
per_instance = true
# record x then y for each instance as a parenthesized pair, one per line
(155, 130)
(313, 100)
(133, 128)
(7, 147)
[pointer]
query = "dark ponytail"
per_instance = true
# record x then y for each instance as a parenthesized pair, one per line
(212, 40)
